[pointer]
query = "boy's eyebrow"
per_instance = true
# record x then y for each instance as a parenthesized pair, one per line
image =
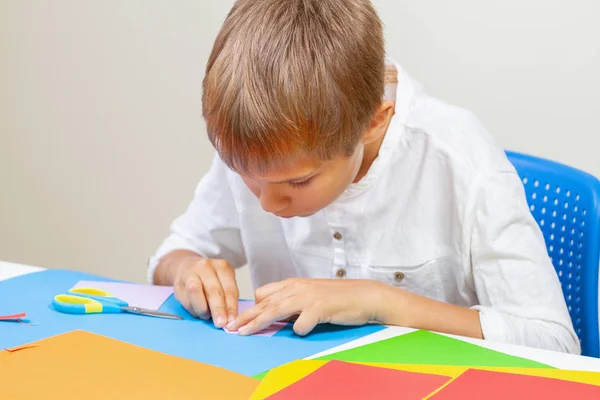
(299, 178)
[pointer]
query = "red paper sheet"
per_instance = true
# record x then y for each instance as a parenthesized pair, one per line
(489, 385)
(340, 380)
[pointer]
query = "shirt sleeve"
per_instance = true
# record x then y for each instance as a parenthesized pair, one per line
(209, 226)
(520, 297)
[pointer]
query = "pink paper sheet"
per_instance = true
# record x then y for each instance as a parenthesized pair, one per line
(137, 295)
(152, 297)
(268, 331)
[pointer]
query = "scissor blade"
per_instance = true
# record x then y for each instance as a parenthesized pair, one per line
(151, 313)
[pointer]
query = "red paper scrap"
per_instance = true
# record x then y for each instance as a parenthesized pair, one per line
(19, 348)
(490, 385)
(14, 317)
(341, 380)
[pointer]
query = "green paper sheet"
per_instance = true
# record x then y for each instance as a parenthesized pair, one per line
(423, 347)
(261, 375)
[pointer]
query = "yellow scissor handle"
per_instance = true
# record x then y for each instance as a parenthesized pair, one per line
(98, 294)
(70, 304)
(73, 304)
(91, 291)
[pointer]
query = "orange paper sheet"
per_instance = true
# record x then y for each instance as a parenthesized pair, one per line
(80, 365)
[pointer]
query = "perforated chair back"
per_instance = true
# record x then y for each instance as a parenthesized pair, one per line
(566, 204)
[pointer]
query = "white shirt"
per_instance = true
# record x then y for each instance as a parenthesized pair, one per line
(441, 213)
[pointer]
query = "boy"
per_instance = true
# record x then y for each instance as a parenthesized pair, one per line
(352, 195)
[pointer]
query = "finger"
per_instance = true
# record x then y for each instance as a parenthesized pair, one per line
(306, 322)
(182, 297)
(195, 295)
(267, 290)
(290, 319)
(226, 276)
(253, 312)
(275, 300)
(244, 318)
(266, 315)
(213, 292)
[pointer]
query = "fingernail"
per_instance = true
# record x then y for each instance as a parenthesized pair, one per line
(230, 326)
(221, 320)
(243, 330)
(231, 319)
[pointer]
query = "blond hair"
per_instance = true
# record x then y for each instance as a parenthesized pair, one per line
(293, 78)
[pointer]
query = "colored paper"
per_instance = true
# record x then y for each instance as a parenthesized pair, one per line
(261, 375)
(478, 384)
(81, 365)
(285, 375)
(340, 380)
(592, 378)
(268, 331)
(19, 348)
(13, 317)
(137, 295)
(190, 338)
(423, 347)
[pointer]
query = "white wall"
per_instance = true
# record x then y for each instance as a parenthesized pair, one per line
(101, 135)
(528, 68)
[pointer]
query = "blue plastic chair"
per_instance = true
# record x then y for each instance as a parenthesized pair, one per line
(566, 204)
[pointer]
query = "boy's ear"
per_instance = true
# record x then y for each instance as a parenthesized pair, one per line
(380, 122)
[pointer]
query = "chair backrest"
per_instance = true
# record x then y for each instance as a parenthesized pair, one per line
(566, 204)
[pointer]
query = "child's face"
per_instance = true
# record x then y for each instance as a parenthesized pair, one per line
(310, 185)
(305, 188)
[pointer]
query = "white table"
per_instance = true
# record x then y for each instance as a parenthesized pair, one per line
(558, 360)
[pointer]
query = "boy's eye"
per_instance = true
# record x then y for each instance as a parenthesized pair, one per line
(301, 184)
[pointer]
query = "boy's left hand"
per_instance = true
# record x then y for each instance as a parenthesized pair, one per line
(315, 301)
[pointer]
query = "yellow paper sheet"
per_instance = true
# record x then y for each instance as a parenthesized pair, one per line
(283, 376)
(80, 365)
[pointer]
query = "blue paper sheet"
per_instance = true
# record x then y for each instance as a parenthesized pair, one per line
(191, 338)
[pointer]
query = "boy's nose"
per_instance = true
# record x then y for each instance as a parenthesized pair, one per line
(273, 202)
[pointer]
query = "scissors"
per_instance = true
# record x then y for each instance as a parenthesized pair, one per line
(98, 301)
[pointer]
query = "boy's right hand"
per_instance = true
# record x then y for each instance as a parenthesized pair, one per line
(207, 287)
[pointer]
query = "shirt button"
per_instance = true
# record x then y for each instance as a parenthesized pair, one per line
(398, 276)
(341, 273)
(337, 236)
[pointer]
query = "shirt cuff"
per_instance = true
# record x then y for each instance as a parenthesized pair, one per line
(151, 267)
(172, 243)
(493, 325)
